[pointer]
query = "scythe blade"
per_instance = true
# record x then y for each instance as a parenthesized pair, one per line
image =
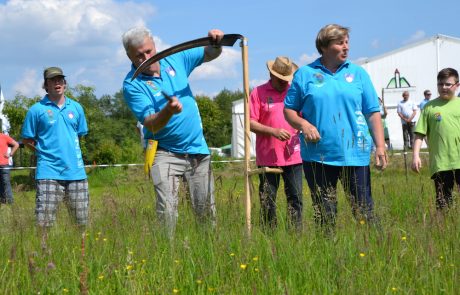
(227, 40)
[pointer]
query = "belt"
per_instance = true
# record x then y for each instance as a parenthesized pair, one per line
(182, 155)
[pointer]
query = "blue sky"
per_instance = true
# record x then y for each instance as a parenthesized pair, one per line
(84, 36)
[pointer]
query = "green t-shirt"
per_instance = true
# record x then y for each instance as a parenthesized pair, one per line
(440, 122)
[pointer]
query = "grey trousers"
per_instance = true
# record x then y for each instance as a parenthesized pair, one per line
(167, 171)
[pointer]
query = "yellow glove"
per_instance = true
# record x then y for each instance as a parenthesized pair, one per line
(150, 155)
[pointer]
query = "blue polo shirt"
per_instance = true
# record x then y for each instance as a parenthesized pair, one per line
(184, 132)
(55, 132)
(336, 104)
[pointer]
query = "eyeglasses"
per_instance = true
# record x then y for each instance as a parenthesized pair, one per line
(448, 85)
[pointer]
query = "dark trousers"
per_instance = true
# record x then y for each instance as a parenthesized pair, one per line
(6, 193)
(408, 134)
(322, 181)
(268, 188)
(444, 184)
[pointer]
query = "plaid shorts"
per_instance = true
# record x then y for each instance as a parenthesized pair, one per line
(50, 192)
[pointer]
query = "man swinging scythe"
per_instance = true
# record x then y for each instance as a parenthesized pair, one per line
(159, 95)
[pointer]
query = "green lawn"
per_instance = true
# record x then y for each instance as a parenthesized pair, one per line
(126, 252)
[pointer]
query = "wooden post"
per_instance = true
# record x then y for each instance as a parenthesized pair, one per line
(247, 134)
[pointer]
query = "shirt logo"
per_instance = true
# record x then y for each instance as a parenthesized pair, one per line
(269, 102)
(437, 117)
(171, 71)
(71, 115)
(318, 79)
(50, 114)
(151, 84)
(349, 77)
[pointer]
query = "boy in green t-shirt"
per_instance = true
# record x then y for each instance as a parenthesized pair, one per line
(440, 123)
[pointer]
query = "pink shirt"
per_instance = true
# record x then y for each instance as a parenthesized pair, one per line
(266, 107)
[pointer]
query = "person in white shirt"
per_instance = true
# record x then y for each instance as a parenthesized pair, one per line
(407, 111)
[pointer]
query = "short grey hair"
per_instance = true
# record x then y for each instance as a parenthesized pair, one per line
(135, 37)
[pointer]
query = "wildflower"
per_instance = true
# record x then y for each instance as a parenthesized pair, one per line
(362, 254)
(441, 257)
(362, 222)
(129, 267)
(232, 254)
(256, 269)
(394, 289)
(177, 261)
(243, 266)
(99, 233)
(9, 261)
(130, 252)
(199, 282)
(255, 258)
(175, 291)
(403, 238)
(65, 290)
(105, 239)
(97, 239)
(101, 277)
(144, 261)
(210, 289)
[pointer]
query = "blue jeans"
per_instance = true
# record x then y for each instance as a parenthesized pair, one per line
(322, 181)
(268, 187)
(6, 194)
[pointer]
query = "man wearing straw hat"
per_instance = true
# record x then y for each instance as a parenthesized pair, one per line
(277, 143)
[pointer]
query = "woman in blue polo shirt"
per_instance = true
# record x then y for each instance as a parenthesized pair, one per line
(335, 106)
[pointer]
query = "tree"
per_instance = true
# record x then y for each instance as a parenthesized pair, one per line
(214, 128)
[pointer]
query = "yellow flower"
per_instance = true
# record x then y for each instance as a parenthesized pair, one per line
(99, 233)
(232, 254)
(65, 290)
(175, 290)
(199, 282)
(130, 252)
(255, 258)
(177, 261)
(243, 266)
(362, 222)
(256, 269)
(441, 257)
(129, 267)
(394, 289)
(403, 238)
(101, 277)
(144, 261)
(105, 239)
(362, 254)
(210, 289)
(97, 239)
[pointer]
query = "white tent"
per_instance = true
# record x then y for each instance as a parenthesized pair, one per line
(4, 123)
(238, 131)
(418, 65)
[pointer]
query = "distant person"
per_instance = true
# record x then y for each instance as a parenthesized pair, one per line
(440, 123)
(427, 94)
(162, 100)
(277, 143)
(52, 128)
(407, 111)
(334, 104)
(384, 114)
(8, 148)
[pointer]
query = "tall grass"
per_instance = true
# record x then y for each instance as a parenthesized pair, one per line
(126, 251)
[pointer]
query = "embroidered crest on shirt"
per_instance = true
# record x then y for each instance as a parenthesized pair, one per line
(269, 102)
(151, 84)
(318, 79)
(170, 71)
(50, 114)
(437, 117)
(349, 77)
(70, 115)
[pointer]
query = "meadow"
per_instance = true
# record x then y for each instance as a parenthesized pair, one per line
(125, 251)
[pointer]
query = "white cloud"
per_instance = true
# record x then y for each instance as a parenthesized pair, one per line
(30, 84)
(375, 43)
(418, 35)
(222, 67)
(308, 58)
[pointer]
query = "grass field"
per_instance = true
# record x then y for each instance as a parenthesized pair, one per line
(126, 252)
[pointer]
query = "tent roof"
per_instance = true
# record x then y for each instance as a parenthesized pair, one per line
(412, 45)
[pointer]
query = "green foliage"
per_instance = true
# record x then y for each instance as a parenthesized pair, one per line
(107, 152)
(16, 111)
(215, 129)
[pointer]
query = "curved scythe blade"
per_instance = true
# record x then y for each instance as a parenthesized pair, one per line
(227, 40)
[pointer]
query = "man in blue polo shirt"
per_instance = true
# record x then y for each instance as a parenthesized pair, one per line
(161, 99)
(52, 128)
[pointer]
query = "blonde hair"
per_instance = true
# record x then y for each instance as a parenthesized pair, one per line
(330, 33)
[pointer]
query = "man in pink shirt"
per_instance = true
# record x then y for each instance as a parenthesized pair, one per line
(277, 143)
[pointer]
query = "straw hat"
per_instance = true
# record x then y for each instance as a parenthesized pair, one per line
(282, 67)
